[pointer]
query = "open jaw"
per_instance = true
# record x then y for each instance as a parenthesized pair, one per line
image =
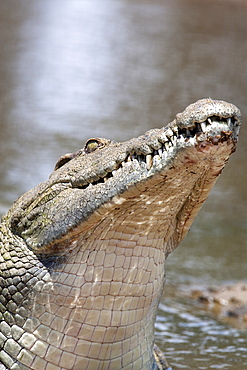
(91, 242)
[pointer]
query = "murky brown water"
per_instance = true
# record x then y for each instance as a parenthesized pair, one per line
(70, 70)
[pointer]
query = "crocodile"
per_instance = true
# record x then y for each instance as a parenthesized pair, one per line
(83, 253)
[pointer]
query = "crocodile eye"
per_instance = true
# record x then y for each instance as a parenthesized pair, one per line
(92, 144)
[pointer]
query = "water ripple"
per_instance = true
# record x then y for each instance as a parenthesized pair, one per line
(193, 340)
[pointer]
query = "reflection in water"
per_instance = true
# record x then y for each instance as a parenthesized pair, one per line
(79, 69)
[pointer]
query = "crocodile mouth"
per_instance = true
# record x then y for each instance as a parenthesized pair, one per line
(201, 135)
(105, 174)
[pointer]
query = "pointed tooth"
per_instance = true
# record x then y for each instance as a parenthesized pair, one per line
(166, 145)
(170, 138)
(210, 121)
(203, 126)
(174, 138)
(149, 161)
(199, 127)
(160, 151)
(192, 140)
(128, 159)
(114, 172)
(230, 124)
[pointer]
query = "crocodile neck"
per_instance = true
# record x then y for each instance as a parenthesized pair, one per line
(88, 246)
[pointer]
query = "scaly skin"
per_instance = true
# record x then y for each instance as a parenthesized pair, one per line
(82, 254)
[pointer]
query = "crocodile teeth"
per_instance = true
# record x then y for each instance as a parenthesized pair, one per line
(203, 126)
(168, 141)
(166, 145)
(230, 123)
(164, 155)
(199, 127)
(192, 140)
(174, 138)
(149, 161)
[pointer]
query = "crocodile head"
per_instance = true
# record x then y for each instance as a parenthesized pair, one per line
(161, 177)
(87, 247)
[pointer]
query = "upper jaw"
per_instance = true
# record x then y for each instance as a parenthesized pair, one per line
(206, 108)
(208, 121)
